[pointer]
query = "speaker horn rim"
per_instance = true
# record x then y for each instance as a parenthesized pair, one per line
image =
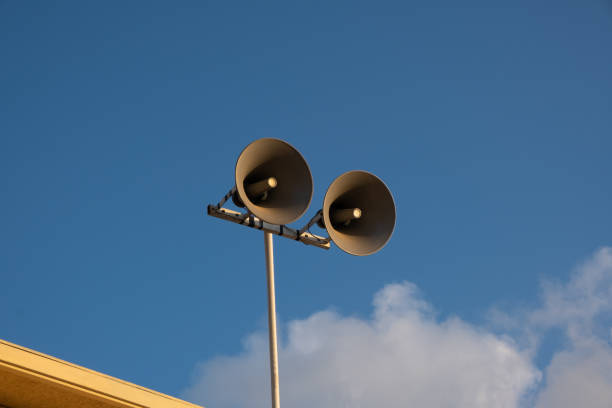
(330, 229)
(242, 193)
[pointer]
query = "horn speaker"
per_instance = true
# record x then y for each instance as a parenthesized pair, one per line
(273, 181)
(359, 212)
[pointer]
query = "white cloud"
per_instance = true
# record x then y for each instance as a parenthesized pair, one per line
(576, 306)
(579, 378)
(402, 356)
(581, 375)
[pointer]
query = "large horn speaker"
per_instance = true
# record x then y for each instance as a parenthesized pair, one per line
(273, 181)
(359, 212)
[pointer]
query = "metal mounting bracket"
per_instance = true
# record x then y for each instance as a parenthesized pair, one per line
(249, 220)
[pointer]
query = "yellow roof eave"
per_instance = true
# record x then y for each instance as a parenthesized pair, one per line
(29, 379)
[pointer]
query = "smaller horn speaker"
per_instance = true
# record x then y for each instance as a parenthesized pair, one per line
(273, 181)
(359, 213)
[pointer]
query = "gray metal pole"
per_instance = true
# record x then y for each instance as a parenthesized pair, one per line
(272, 320)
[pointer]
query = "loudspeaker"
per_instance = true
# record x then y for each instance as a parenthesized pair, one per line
(359, 213)
(273, 181)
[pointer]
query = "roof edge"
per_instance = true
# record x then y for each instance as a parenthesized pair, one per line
(74, 378)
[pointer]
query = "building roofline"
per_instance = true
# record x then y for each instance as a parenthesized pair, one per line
(27, 376)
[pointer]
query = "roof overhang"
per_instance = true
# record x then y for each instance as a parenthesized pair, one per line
(29, 379)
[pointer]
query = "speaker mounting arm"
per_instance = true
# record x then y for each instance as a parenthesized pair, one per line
(318, 217)
(249, 220)
(226, 197)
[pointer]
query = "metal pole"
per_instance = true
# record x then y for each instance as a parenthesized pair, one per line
(272, 320)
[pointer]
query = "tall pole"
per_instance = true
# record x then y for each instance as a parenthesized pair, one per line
(272, 320)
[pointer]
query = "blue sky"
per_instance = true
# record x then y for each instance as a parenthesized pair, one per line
(490, 123)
